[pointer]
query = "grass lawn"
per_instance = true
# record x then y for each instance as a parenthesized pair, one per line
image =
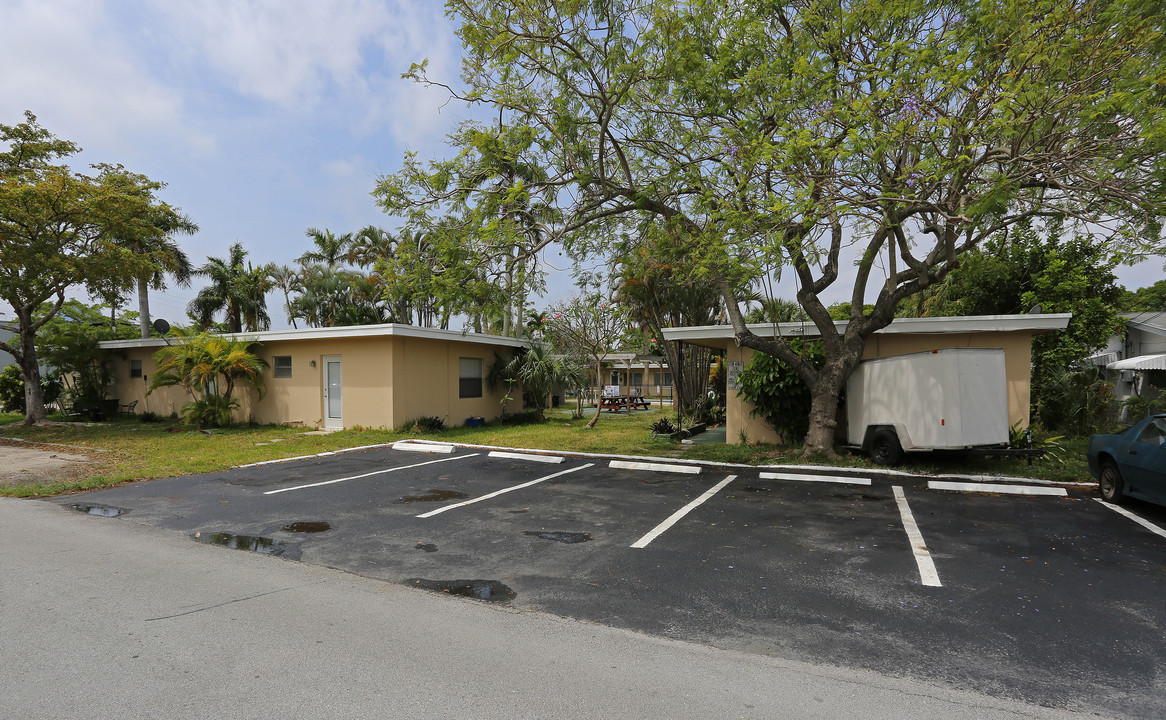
(142, 451)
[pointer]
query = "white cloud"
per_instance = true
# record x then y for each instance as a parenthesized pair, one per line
(66, 64)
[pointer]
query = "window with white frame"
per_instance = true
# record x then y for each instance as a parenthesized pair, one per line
(281, 366)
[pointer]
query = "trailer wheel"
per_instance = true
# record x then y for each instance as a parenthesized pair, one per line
(884, 447)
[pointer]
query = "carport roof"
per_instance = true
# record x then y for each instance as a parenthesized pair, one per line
(720, 336)
(332, 333)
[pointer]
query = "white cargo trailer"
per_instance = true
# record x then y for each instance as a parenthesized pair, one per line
(951, 399)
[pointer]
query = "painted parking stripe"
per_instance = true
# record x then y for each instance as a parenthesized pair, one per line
(676, 516)
(503, 491)
(994, 488)
(426, 448)
(654, 467)
(816, 478)
(369, 474)
(551, 459)
(1139, 520)
(927, 572)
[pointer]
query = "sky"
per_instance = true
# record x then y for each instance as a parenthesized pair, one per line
(264, 117)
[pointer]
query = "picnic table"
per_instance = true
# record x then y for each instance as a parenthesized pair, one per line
(619, 403)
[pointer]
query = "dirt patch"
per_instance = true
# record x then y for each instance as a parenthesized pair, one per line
(23, 465)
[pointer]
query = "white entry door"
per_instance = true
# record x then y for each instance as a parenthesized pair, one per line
(333, 393)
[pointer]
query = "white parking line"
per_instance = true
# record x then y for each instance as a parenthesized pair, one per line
(370, 474)
(815, 478)
(550, 459)
(676, 516)
(992, 488)
(496, 493)
(654, 467)
(418, 447)
(927, 572)
(1139, 520)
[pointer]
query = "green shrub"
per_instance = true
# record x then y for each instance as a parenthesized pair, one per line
(12, 389)
(1074, 401)
(426, 423)
(526, 417)
(663, 426)
(1140, 407)
(778, 393)
(210, 411)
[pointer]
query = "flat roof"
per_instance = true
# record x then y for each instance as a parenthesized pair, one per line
(335, 333)
(719, 336)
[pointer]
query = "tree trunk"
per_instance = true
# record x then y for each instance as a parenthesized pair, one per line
(34, 402)
(598, 400)
(825, 392)
(144, 307)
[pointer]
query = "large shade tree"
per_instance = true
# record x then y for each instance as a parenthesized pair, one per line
(60, 230)
(892, 136)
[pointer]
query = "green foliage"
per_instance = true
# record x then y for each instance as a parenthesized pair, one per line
(779, 310)
(237, 291)
(209, 411)
(207, 367)
(12, 389)
(61, 229)
(1075, 401)
(1138, 407)
(149, 416)
(778, 393)
(663, 426)
(426, 423)
(1147, 299)
(68, 342)
(539, 372)
(521, 418)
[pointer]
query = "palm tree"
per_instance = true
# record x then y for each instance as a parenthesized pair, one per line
(169, 258)
(540, 373)
(208, 367)
(238, 291)
(330, 250)
(289, 281)
(369, 245)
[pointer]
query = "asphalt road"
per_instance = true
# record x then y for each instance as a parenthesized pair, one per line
(1053, 602)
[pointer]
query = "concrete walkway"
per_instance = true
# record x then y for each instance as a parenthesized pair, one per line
(104, 617)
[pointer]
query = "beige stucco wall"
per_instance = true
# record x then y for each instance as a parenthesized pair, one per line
(425, 379)
(387, 381)
(1017, 348)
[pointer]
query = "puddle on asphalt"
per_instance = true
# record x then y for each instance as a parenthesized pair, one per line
(563, 537)
(427, 547)
(253, 543)
(432, 496)
(491, 590)
(99, 510)
(307, 526)
(859, 496)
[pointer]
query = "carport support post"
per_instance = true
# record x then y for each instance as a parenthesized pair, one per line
(677, 380)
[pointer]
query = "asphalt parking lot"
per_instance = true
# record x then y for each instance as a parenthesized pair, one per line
(1052, 599)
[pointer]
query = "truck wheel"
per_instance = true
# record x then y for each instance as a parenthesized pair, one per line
(885, 448)
(1111, 486)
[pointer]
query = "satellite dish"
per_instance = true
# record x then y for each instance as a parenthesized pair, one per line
(1035, 310)
(161, 326)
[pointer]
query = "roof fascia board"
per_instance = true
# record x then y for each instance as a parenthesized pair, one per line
(333, 333)
(900, 326)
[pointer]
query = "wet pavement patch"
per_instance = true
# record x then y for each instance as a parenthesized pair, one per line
(427, 547)
(859, 496)
(99, 510)
(491, 590)
(307, 526)
(254, 543)
(432, 496)
(563, 537)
